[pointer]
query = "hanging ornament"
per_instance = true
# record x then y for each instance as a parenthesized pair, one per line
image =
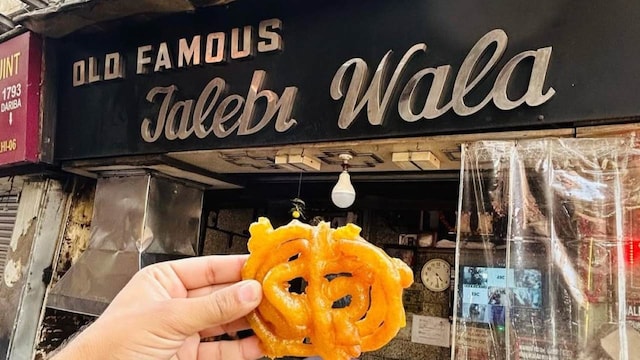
(298, 205)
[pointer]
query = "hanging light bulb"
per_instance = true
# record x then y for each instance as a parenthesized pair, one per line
(343, 194)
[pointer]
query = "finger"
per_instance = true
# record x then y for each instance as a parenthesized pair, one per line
(245, 349)
(232, 327)
(207, 290)
(221, 307)
(202, 271)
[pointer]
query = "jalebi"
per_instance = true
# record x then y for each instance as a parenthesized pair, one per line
(351, 301)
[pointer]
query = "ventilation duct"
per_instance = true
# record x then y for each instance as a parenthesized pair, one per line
(138, 219)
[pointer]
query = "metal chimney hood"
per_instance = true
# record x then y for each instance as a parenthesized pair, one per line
(138, 219)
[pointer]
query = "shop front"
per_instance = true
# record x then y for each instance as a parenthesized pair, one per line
(256, 108)
(32, 196)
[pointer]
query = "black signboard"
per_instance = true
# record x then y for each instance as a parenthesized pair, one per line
(255, 73)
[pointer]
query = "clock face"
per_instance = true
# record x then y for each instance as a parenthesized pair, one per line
(436, 275)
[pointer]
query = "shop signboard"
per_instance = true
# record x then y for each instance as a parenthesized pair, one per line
(257, 73)
(20, 68)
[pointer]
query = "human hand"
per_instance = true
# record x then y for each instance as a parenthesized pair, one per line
(167, 308)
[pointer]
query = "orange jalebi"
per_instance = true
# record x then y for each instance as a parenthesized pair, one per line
(338, 267)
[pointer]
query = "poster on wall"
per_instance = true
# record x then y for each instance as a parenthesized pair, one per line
(431, 330)
(20, 68)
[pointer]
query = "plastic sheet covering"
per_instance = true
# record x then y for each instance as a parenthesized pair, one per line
(548, 255)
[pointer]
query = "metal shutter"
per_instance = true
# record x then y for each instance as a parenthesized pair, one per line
(8, 212)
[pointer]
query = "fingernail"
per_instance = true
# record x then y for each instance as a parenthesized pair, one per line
(249, 292)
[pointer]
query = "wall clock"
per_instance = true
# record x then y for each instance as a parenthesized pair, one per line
(436, 274)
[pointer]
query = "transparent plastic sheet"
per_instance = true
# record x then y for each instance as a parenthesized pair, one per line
(546, 267)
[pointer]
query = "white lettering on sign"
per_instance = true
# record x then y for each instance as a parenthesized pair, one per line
(377, 97)
(239, 43)
(10, 105)
(221, 114)
(11, 99)
(90, 71)
(234, 113)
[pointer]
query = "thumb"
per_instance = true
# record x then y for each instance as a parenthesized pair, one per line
(220, 307)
